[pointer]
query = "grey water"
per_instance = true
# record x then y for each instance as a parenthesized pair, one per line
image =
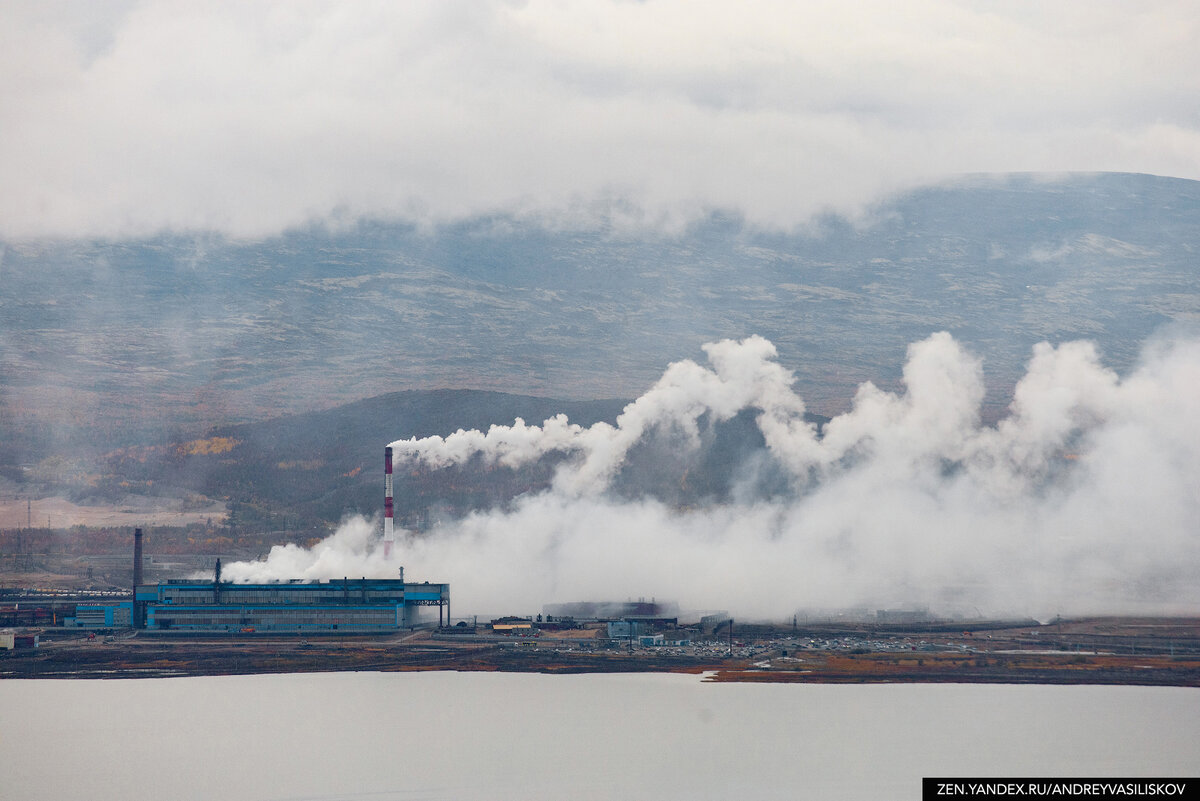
(445, 735)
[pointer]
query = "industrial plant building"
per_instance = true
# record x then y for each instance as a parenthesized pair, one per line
(351, 606)
(345, 606)
(117, 615)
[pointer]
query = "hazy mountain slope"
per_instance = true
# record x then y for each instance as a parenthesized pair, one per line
(157, 340)
(297, 471)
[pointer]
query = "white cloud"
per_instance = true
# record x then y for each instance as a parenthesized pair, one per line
(1081, 501)
(250, 117)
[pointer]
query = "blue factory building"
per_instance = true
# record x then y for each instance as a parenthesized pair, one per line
(102, 616)
(352, 606)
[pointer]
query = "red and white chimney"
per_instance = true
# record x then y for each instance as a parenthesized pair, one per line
(388, 531)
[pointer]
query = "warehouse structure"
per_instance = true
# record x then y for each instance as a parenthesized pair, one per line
(360, 606)
(110, 615)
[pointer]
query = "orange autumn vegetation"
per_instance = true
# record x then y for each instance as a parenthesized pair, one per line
(208, 447)
(308, 464)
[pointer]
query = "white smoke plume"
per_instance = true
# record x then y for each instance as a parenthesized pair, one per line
(1083, 499)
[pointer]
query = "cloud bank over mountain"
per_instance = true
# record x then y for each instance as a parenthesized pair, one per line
(127, 119)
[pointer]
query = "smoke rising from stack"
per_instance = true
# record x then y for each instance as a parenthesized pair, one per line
(1081, 500)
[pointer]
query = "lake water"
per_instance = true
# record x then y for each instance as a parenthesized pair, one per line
(443, 735)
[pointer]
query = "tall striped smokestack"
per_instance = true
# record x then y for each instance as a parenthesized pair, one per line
(388, 531)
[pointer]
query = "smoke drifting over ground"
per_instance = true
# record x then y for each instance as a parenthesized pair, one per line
(1082, 500)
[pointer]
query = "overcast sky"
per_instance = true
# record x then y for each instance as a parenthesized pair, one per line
(128, 118)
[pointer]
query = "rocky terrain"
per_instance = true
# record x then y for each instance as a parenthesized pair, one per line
(263, 377)
(122, 341)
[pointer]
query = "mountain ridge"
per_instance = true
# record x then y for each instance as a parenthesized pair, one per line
(111, 343)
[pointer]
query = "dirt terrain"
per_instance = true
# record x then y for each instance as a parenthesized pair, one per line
(62, 513)
(1098, 651)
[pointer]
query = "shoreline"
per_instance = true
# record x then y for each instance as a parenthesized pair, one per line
(130, 657)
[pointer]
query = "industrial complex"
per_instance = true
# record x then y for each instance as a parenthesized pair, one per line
(205, 625)
(346, 605)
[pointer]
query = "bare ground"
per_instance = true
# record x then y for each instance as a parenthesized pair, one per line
(62, 513)
(959, 658)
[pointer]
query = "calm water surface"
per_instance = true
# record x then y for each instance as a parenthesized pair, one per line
(384, 736)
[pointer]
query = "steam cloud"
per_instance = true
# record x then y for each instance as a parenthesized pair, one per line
(1083, 499)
